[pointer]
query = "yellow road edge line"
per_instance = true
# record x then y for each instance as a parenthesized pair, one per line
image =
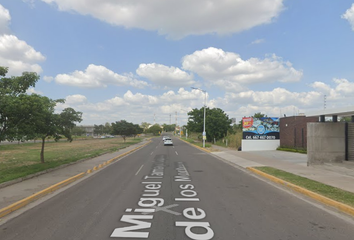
(22, 203)
(17, 205)
(330, 202)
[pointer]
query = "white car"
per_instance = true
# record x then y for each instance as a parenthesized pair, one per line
(168, 141)
(164, 137)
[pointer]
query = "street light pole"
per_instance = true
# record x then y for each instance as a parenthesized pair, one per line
(204, 132)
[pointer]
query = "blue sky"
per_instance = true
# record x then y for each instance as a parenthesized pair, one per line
(137, 60)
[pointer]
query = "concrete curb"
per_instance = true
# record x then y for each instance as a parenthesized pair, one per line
(24, 202)
(17, 205)
(329, 202)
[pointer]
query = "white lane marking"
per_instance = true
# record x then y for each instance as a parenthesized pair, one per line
(151, 153)
(173, 146)
(176, 152)
(139, 169)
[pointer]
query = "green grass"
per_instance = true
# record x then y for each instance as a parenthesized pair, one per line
(18, 161)
(298, 150)
(314, 186)
(197, 143)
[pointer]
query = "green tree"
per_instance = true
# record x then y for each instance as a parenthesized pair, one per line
(78, 131)
(43, 122)
(259, 115)
(98, 129)
(138, 129)
(169, 128)
(124, 129)
(217, 122)
(107, 129)
(155, 129)
(145, 126)
(11, 115)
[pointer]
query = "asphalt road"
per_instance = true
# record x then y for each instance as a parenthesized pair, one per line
(174, 193)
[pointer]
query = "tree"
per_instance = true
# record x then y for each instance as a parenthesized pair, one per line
(98, 129)
(155, 130)
(78, 131)
(217, 122)
(259, 115)
(169, 128)
(145, 125)
(138, 129)
(123, 128)
(107, 129)
(11, 115)
(43, 122)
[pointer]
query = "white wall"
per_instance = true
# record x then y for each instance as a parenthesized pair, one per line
(259, 145)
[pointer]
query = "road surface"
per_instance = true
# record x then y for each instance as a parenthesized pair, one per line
(174, 193)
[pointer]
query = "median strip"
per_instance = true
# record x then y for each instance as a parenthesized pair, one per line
(322, 189)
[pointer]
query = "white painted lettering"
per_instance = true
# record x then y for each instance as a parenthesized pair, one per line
(150, 202)
(153, 186)
(191, 213)
(187, 186)
(188, 193)
(127, 232)
(209, 234)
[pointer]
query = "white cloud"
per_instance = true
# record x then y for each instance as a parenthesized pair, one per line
(165, 76)
(349, 15)
(76, 99)
(178, 19)
(48, 79)
(225, 68)
(4, 20)
(32, 90)
(344, 87)
(138, 107)
(16, 54)
(96, 76)
(258, 41)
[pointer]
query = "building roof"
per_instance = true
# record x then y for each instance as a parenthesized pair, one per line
(341, 112)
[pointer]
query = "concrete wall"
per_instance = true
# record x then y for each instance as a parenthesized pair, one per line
(259, 145)
(325, 142)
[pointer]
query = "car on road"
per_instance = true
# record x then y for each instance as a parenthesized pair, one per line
(164, 137)
(168, 141)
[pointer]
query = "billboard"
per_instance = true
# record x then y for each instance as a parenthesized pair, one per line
(265, 128)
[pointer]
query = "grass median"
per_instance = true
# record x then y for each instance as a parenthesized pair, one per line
(197, 143)
(314, 186)
(17, 161)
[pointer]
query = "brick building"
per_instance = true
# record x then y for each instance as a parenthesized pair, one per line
(293, 131)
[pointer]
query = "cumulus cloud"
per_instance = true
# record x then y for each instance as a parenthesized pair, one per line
(16, 54)
(96, 76)
(32, 90)
(178, 19)
(48, 79)
(228, 68)
(349, 15)
(4, 20)
(165, 76)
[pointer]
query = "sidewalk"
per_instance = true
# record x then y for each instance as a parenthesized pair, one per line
(340, 175)
(13, 193)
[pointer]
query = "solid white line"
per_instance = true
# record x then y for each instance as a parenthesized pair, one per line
(176, 152)
(151, 153)
(139, 169)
